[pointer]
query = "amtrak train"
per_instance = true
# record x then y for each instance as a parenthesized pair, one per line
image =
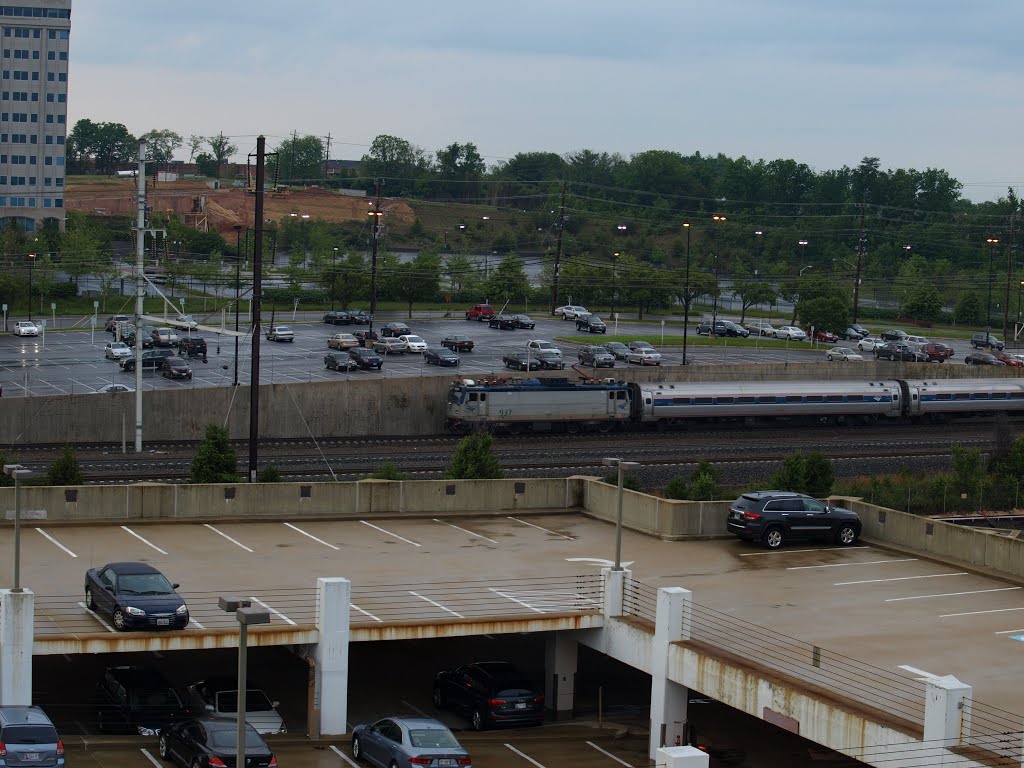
(544, 405)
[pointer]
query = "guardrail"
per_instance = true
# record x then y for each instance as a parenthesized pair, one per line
(640, 600)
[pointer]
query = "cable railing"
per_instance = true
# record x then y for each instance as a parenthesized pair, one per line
(640, 600)
(996, 732)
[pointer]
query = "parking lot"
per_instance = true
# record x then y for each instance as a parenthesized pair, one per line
(72, 361)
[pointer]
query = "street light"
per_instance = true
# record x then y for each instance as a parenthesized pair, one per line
(809, 266)
(714, 301)
(615, 281)
(17, 471)
(334, 275)
(686, 288)
(758, 234)
(31, 262)
(238, 285)
(620, 464)
(992, 243)
(246, 615)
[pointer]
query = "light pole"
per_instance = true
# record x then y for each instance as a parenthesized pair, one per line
(714, 301)
(992, 243)
(31, 262)
(246, 615)
(1016, 330)
(686, 289)
(809, 266)
(620, 465)
(758, 234)
(615, 281)
(238, 285)
(334, 275)
(17, 472)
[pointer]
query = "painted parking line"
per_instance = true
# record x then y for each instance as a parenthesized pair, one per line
(193, 621)
(471, 533)
(389, 533)
(143, 539)
(524, 756)
(273, 611)
(150, 757)
(414, 708)
(345, 757)
(978, 613)
(539, 528)
(365, 613)
(437, 604)
(618, 760)
(843, 565)
(1009, 632)
(900, 578)
(951, 594)
(54, 541)
(797, 551)
(96, 616)
(311, 536)
(233, 541)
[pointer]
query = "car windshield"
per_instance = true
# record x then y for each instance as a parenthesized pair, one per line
(544, 345)
(255, 701)
(146, 698)
(29, 734)
(119, 345)
(428, 738)
(143, 584)
(283, 328)
(414, 339)
(225, 739)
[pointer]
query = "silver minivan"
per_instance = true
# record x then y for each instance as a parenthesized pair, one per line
(29, 739)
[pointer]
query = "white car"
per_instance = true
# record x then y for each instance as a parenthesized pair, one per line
(25, 328)
(164, 337)
(218, 697)
(280, 333)
(571, 311)
(539, 344)
(186, 320)
(761, 327)
(916, 340)
(842, 353)
(117, 350)
(789, 332)
(868, 343)
(115, 388)
(414, 343)
(643, 356)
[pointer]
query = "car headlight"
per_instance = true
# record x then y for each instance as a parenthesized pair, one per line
(144, 731)
(131, 611)
(182, 610)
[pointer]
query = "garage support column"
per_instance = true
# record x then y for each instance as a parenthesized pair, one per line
(330, 693)
(947, 712)
(668, 698)
(16, 635)
(614, 591)
(560, 666)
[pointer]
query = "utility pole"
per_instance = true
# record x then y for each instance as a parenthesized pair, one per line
(373, 257)
(291, 155)
(257, 291)
(327, 155)
(861, 242)
(558, 250)
(140, 285)
(1009, 274)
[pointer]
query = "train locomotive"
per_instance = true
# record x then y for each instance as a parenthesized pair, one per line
(555, 404)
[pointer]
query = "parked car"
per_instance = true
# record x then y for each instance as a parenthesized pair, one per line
(919, 340)
(193, 346)
(366, 358)
(391, 346)
(25, 328)
(595, 355)
(524, 321)
(826, 337)
(342, 341)
(761, 327)
(212, 742)
(842, 353)
(860, 329)
(338, 317)
(893, 334)
(868, 343)
(413, 343)
(643, 356)
(539, 344)
(503, 322)
(147, 338)
(774, 517)
(899, 351)
(121, 329)
(152, 360)
(852, 334)
(186, 321)
(137, 700)
(116, 350)
(713, 328)
(938, 352)
(366, 338)
(981, 358)
(591, 324)
(634, 345)
(394, 330)
(480, 312)
(115, 388)
(789, 332)
(489, 693)
(735, 329)
(280, 333)
(28, 738)
(112, 321)
(617, 348)
(361, 317)
(339, 361)
(458, 343)
(980, 340)
(570, 311)
(549, 359)
(404, 742)
(440, 356)
(176, 368)
(219, 697)
(135, 596)
(164, 337)
(1013, 361)
(520, 361)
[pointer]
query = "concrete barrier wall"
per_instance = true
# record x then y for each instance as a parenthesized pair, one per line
(413, 405)
(665, 518)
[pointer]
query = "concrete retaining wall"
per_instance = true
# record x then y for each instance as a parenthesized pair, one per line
(666, 518)
(412, 405)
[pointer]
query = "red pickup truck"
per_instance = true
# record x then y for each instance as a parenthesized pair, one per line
(480, 312)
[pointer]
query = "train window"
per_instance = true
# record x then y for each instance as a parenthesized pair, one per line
(768, 399)
(815, 399)
(746, 399)
(703, 400)
(725, 400)
(473, 397)
(980, 396)
(963, 395)
(647, 400)
(943, 396)
(855, 398)
(833, 398)
(483, 396)
(611, 395)
(1017, 395)
(680, 401)
(794, 398)
(620, 395)
(998, 395)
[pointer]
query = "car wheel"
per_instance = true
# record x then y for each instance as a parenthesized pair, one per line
(119, 621)
(162, 748)
(846, 535)
(775, 334)
(479, 723)
(773, 537)
(89, 602)
(829, 357)
(439, 698)
(357, 745)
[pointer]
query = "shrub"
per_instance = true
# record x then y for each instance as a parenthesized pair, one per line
(388, 471)
(269, 474)
(65, 469)
(629, 480)
(215, 460)
(474, 460)
(677, 488)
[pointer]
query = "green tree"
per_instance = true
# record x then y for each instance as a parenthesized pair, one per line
(352, 279)
(299, 158)
(923, 303)
(475, 460)
(461, 274)
(195, 143)
(968, 309)
(629, 480)
(65, 469)
(397, 162)
(207, 164)
(968, 467)
(826, 313)
(387, 471)
(222, 149)
(819, 475)
(751, 292)
(416, 280)
(508, 281)
(161, 144)
(79, 253)
(269, 474)
(215, 460)
(791, 475)
(105, 145)
(677, 488)
(460, 166)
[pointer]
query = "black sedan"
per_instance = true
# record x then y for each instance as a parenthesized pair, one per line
(176, 368)
(440, 356)
(394, 330)
(458, 343)
(900, 352)
(211, 743)
(524, 321)
(339, 361)
(521, 361)
(366, 358)
(490, 693)
(136, 596)
(503, 322)
(982, 358)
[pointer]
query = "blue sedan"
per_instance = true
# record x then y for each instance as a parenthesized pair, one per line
(136, 596)
(404, 742)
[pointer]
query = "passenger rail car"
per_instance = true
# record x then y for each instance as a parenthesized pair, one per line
(961, 398)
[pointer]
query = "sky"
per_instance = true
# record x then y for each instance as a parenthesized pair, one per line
(918, 84)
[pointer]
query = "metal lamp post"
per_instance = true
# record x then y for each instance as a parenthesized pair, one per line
(31, 263)
(992, 243)
(615, 282)
(17, 471)
(238, 285)
(620, 464)
(686, 288)
(334, 275)
(714, 301)
(246, 615)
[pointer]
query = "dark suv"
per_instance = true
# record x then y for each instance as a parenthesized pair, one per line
(193, 346)
(900, 351)
(774, 517)
(136, 700)
(596, 355)
(152, 360)
(27, 737)
(490, 693)
(590, 324)
(980, 340)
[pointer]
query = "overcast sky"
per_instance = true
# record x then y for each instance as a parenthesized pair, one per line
(918, 84)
